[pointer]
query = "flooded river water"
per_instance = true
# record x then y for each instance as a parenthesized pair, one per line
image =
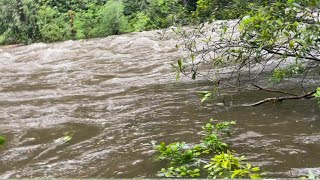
(115, 96)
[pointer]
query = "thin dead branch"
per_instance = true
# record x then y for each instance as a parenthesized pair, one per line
(280, 99)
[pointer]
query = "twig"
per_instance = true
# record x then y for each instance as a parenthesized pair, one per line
(273, 90)
(290, 54)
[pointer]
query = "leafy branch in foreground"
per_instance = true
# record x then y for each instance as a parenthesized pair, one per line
(187, 160)
(279, 43)
(228, 165)
(317, 95)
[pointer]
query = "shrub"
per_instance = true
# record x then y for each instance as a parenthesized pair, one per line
(18, 21)
(111, 19)
(188, 160)
(54, 26)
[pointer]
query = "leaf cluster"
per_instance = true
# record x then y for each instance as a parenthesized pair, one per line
(190, 160)
(228, 165)
(280, 73)
(182, 171)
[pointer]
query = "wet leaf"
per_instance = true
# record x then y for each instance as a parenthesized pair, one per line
(180, 64)
(311, 176)
(226, 164)
(193, 57)
(2, 140)
(178, 76)
(291, 44)
(67, 139)
(255, 169)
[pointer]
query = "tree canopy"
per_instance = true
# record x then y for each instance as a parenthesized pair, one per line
(28, 21)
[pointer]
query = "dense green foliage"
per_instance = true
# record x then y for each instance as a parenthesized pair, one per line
(151, 14)
(55, 20)
(189, 160)
(226, 9)
(27, 21)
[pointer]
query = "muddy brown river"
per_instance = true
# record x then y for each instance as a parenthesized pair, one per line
(115, 96)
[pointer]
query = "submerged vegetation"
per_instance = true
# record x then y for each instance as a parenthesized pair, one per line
(193, 160)
(2, 140)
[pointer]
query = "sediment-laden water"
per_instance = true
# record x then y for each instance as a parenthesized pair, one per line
(116, 96)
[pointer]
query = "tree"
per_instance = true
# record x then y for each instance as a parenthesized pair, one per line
(28, 21)
(112, 19)
(155, 14)
(280, 40)
(18, 21)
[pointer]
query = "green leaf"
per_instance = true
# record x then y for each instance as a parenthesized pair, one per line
(2, 140)
(225, 29)
(279, 22)
(255, 176)
(291, 44)
(311, 176)
(317, 94)
(226, 164)
(193, 57)
(180, 64)
(178, 76)
(248, 166)
(206, 95)
(291, 1)
(67, 139)
(237, 163)
(286, 33)
(235, 173)
(207, 166)
(255, 169)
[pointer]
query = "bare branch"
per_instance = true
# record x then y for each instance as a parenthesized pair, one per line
(273, 90)
(279, 99)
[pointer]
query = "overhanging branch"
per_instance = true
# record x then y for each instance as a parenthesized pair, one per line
(313, 58)
(279, 99)
(273, 90)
